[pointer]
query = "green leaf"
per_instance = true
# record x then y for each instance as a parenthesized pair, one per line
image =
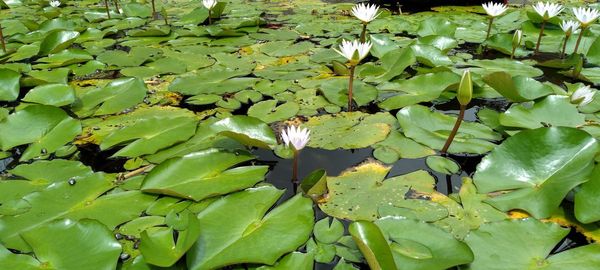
(328, 231)
(9, 84)
(552, 110)
(57, 41)
(9, 260)
(348, 130)
(118, 95)
(269, 112)
(432, 129)
(336, 91)
(149, 135)
(514, 68)
(546, 163)
(46, 128)
(51, 94)
(62, 243)
(396, 146)
(357, 194)
(236, 230)
(526, 244)
(203, 174)
(393, 64)
(294, 260)
(420, 88)
(372, 244)
(518, 88)
(55, 170)
(436, 26)
(442, 165)
(586, 199)
(323, 253)
(247, 130)
(159, 247)
(420, 245)
(54, 202)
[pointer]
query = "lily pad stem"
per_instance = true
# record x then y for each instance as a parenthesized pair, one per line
(461, 116)
(537, 46)
(209, 17)
(363, 34)
(489, 30)
(564, 47)
(125, 176)
(350, 86)
(107, 10)
(2, 39)
(579, 38)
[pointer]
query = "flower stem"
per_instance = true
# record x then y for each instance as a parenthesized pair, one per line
(564, 47)
(295, 170)
(537, 46)
(350, 86)
(209, 17)
(2, 40)
(461, 116)
(363, 34)
(512, 54)
(489, 30)
(107, 10)
(153, 11)
(117, 6)
(579, 38)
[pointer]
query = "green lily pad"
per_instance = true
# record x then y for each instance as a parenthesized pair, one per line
(336, 91)
(514, 68)
(247, 130)
(526, 244)
(358, 194)
(63, 243)
(348, 130)
(442, 165)
(518, 88)
(235, 229)
(432, 129)
(546, 164)
(585, 199)
(203, 174)
(45, 128)
(51, 94)
(9, 84)
(397, 146)
(553, 110)
(419, 245)
(117, 95)
(420, 88)
(269, 112)
(57, 41)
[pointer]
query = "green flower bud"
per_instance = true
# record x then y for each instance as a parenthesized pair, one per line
(465, 89)
(516, 41)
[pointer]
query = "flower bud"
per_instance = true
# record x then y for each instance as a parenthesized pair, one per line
(465, 89)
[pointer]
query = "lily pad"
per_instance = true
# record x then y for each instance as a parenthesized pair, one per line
(518, 88)
(551, 111)
(235, 229)
(546, 164)
(9, 84)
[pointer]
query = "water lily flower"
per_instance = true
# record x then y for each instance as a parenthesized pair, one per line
(464, 96)
(569, 27)
(354, 51)
(586, 16)
(296, 137)
(209, 4)
(54, 3)
(516, 42)
(547, 11)
(583, 95)
(494, 9)
(365, 12)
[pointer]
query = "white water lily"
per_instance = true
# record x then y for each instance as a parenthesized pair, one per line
(583, 95)
(54, 3)
(354, 51)
(586, 16)
(494, 9)
(569, 26)
(209, 4)
(547, 10)
(365, 12)
(295, 136)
